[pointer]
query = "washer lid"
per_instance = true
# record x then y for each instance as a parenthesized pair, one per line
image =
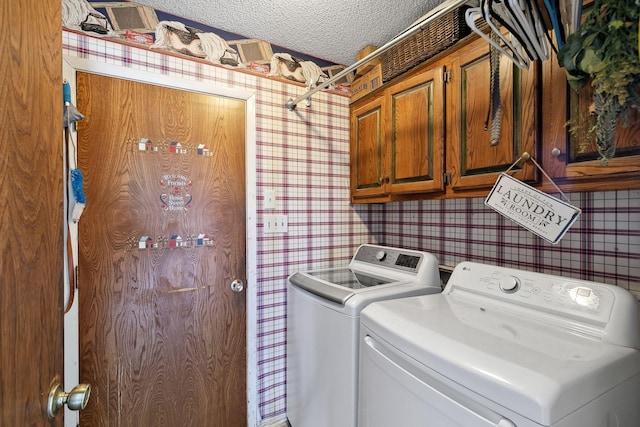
(350, 279)
(337, 284)
(535, 368)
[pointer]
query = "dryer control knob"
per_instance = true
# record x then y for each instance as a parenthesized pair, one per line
(381, 255)
(509, 284)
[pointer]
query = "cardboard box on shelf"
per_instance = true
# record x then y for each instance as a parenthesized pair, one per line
(367, 83)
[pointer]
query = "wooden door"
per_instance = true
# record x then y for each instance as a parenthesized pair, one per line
(417, 119)
(369, 158)
(473, 161)
(162, 335)
(31, 215)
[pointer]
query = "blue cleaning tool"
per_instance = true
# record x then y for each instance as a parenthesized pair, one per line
(66, 93)
(77, 198)
(77, 183)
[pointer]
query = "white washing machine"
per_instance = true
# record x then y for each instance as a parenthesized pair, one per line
(323, 323)
(502, 347)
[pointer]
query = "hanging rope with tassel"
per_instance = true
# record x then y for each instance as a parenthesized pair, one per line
(494, 114)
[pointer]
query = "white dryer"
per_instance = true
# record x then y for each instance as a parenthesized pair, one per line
(323, 323)
(502, 347)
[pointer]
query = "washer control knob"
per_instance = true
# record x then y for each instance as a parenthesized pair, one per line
(509, 284)
(381, 255)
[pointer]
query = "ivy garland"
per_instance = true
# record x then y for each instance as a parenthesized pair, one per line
(604, 49)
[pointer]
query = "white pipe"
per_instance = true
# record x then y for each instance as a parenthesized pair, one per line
(436, 13)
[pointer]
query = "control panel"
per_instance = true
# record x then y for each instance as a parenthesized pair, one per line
(397, 265)
(570, 298)
(393, 258)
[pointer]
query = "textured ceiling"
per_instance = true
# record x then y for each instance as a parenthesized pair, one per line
(333, 30)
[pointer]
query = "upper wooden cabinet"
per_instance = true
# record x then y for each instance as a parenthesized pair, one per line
(368, 149)
(572, 160)
(416, 133)
(423, 135)
(397, 140)
(473, 159)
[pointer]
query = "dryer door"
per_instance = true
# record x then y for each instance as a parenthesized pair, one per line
(395, 391)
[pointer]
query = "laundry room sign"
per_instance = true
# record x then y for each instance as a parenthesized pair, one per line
(538, 212)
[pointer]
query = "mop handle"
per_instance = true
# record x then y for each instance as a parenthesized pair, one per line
(66, 92)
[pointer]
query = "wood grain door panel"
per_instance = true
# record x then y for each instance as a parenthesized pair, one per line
(162, 336)
(368, 153)
(31, 217)
(474, 161)
(417, 133)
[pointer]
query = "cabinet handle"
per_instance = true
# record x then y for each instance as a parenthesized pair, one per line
(556, 152)
(383, 180)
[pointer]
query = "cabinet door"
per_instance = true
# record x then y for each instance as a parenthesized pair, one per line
(417, 119)
(368, 158)
(573, 160)
(473, 161)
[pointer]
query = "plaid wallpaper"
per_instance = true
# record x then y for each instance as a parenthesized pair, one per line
(304, 157)
(602, 246)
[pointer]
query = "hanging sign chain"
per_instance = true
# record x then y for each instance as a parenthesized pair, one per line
(526, 156)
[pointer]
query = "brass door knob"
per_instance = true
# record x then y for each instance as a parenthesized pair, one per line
(75, 400)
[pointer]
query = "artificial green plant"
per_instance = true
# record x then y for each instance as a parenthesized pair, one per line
(604, 50)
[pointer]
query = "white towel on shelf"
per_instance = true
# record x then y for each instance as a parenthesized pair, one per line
(74, 12)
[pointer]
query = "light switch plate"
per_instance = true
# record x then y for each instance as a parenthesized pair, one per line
(269, 199)
(276, 224)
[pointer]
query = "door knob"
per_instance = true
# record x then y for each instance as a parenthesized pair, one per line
(75, 400)
(237, 285)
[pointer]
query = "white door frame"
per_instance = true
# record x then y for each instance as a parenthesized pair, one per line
(71, 337)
